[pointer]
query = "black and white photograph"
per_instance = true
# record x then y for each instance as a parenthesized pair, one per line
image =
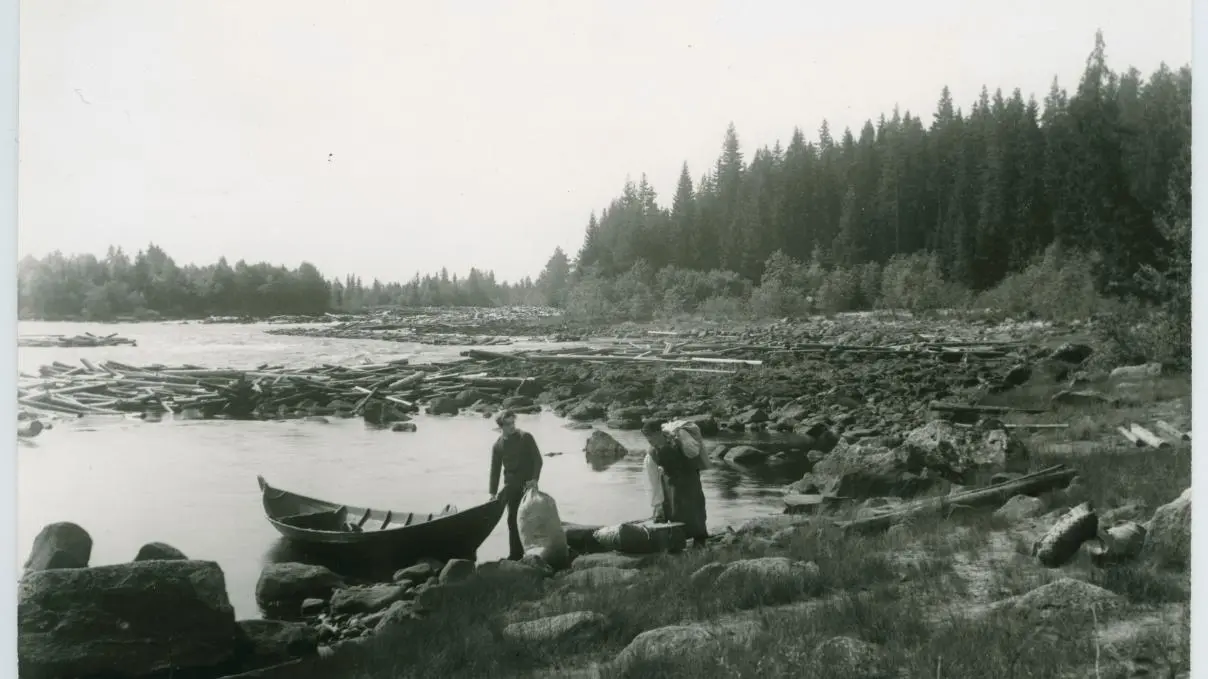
(600, 339)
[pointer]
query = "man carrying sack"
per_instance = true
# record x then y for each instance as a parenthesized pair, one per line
(515, 453)
(674, 475)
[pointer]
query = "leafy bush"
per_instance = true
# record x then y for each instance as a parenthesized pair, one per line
(1141, 332)
(774, 299)
(840, 291)
(1057, 285)
(915, 283)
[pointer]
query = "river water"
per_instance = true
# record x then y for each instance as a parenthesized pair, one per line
(192, 484)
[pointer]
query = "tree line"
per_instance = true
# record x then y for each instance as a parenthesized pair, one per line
(152, 285)
(1093, 184)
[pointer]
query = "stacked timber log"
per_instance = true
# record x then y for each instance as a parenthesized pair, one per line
(359, 330)
(479, 326)
(381, 392)
(73, 341)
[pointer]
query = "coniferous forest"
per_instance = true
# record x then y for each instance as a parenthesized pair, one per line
(1041, 206)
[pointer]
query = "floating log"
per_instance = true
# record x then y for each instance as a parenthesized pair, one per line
(113, 388)
(994, 495)
(75, 341)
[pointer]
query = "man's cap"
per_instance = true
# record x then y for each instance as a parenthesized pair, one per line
(505, 416)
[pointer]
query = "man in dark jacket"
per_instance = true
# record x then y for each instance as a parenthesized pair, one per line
(515, 454)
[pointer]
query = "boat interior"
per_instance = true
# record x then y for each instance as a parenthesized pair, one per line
(342, 520)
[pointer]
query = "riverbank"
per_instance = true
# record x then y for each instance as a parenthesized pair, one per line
(949, 594)
(858, 428)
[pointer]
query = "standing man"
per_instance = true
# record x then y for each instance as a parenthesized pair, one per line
(675, 487)
(516, 454)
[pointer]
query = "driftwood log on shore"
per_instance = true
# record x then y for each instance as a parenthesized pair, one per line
(73, 341)
(1057, 476)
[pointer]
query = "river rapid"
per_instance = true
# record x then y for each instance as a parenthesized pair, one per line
(192, 484)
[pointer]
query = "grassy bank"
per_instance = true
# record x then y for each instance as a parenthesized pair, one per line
(931, 598)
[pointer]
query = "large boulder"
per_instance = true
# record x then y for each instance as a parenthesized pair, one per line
(595, 578)
(456, 570)
(935, 452)
(443, 405)
(774, 572)
(369, 599)
(678, 643)
(284, 586)
(124, 620)
(1066, 600)
(159, 551)
(1020, 507)
(745, 456)
(866, 469)
(586, 411)
(602, 448)
(853, 658)
(60, 545)
(751, 416)
(1168, 540)
(706, 423)
(967, 456)
(517, 570)
(420, 572)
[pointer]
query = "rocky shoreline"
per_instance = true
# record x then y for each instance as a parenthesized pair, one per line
(888, 421)
(165, 615)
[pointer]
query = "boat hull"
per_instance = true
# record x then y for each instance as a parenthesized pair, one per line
(378, 535)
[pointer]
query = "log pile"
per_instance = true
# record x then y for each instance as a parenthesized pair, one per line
(381, 393)
(73, 341)
(480, 326)
(359, 330)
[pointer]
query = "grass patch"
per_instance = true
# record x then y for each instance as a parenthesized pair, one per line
(1142, 584)
(1004, 645)
(1113, 471)
(1113, 478)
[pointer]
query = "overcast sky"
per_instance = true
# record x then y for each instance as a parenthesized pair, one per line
(384, 137)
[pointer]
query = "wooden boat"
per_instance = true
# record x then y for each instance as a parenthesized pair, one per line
(381, 534)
